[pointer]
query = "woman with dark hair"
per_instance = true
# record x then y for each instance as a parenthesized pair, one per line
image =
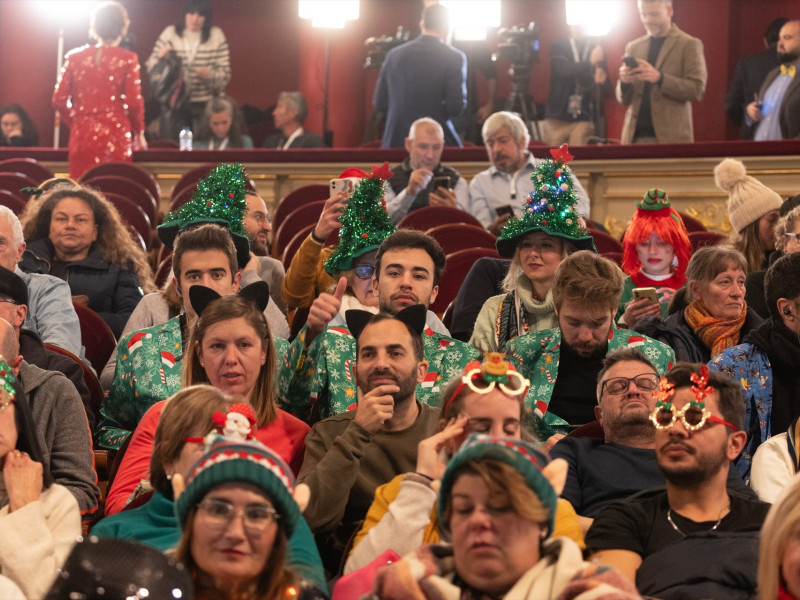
(222, 126)
(205, 57)
(99, 95)
(78, 236)
(39, 519)
(16, 127)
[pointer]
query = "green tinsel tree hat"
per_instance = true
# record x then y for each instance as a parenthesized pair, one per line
(550, 207)
(220, 199)
(365, 222)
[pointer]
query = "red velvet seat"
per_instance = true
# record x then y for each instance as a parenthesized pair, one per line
(14, 182)
(163, 271)
(698, 239)
(193, 176)
(297, 198)
(308, 214)
(615, 256)
(89, 378)
(12, 201)
(127, 170)
(430, 216)
(691, 223)
(605, 242)
(27, 166)
(294, 245)
(133, 215)
(459, 236)
(458, 265)
(96, 337)
(128, 188)
(181, 198)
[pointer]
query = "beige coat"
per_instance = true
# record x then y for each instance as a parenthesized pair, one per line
(683, 66)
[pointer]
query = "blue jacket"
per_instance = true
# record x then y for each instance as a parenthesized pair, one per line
(113, 291)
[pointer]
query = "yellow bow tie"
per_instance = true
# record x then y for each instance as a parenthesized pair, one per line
(789, 70)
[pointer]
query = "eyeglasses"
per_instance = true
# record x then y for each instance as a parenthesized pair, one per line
(646, 382)
(364, 271)
(260, 218)
(219, 514)
(693, 415)
(7, 299)
(796, 236)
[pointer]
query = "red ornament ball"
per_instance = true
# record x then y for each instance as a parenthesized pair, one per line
(209, 203)
(231, 194)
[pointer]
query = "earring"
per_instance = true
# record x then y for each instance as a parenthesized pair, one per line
(674, 261)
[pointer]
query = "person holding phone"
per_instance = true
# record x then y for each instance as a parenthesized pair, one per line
(656, 251)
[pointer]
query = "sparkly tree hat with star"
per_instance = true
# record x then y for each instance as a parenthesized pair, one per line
(220, 199)
(550, 207)
(365, 222)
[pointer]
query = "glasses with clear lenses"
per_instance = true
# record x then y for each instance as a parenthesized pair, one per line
(693, 416)
(219, 514)
(796, 236)
(646, 382)
(364, 271)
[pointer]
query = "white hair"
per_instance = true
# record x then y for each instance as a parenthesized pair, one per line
(428, 122)
(506, 119)
(16, 227)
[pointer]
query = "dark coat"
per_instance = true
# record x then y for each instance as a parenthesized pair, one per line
(676, 333)
(790, 105)
(113, 291)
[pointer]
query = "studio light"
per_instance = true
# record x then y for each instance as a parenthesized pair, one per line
(470, 20)
(329, 14)
(594, 17)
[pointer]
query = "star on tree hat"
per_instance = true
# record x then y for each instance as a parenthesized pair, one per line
(219, 199)
(550, 207)
(365, 222)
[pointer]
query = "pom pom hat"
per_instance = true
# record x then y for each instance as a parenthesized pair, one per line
(749, 199)
(655, 215)
(550, 207)
(526, 459)
(233, 461)
(365, 222)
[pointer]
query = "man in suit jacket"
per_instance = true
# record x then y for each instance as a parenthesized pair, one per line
(425, 77)
(669, 75)
(777, 111)
(290, 113)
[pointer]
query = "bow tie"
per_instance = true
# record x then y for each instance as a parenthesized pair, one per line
(789, 70)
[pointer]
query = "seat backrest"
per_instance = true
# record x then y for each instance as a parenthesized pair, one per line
(89, 378)
(458, 265)
(14, 182)
(699, 239)
(133, 215)
(294, 244)
(130, 189)
(692, 223)
(181, 198)
(190, 178)
(305, 215)
(605, 242)
(430, 216)
(127, 170)
(296, 198)
(163, 271)
(27, 166)
(96, 336)
(12, 201)
(615, 256)
(460, 236)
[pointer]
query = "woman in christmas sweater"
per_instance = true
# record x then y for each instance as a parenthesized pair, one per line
(656, 251)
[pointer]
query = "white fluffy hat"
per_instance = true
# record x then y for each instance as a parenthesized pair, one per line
(749, 199)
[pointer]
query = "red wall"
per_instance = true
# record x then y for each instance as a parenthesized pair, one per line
(272, 50)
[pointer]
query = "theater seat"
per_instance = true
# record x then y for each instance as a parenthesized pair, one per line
(430, 216)
(458, 265)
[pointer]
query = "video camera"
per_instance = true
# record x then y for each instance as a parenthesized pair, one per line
(377, 47)
(520, 45)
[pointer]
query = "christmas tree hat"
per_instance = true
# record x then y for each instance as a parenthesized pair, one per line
(219, 199)
(550, 207)
(365, 222)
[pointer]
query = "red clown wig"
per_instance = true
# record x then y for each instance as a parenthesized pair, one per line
(655, 215)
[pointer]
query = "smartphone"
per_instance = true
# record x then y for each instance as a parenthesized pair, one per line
(443, 182)
(646, 292)
(505, 210)
(630, 62)
(346, 185)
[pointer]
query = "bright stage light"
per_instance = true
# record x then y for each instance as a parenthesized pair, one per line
(594, 17)
(470, 19)
(63, 12)
(329, 14)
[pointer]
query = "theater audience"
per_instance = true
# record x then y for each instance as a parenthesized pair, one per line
(16, 127)
(237, 516)
(767, 362)
(753, 210)
(99, 96)
(78, 236)
(488, 473)
(205, 60)
(222, 126)
(710, 313)
(695, 539)
(38, 517)
(656, 252)
(289, 115)
(778, 570)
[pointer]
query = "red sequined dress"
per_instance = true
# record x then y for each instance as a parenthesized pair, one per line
(99, 95)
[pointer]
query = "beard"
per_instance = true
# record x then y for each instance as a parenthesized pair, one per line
(691, 476)
(597, 353)
(259, 247)
(407, 384)
(788, 57)
(628, 424)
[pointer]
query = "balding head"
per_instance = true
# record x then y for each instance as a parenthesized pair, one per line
(9, 344)
(789, 42)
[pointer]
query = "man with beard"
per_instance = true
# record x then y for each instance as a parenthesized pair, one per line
(623, 461)
(350, 454)
(777, 109)
(499, 192)
(696, 539)
(563, 363)
(257, 227)
(318, 374)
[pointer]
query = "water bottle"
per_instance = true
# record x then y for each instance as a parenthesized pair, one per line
(186, 139)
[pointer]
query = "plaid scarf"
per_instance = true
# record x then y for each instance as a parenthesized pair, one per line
(717, 334)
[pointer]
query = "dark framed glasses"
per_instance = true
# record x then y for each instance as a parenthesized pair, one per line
(693, 415)
(364, 271)
(647, 382)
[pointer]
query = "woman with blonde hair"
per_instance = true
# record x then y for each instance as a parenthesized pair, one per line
(779, 553)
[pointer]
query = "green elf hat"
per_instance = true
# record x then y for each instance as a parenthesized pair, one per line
(365, 222)
(550, 207)
(219, 199)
